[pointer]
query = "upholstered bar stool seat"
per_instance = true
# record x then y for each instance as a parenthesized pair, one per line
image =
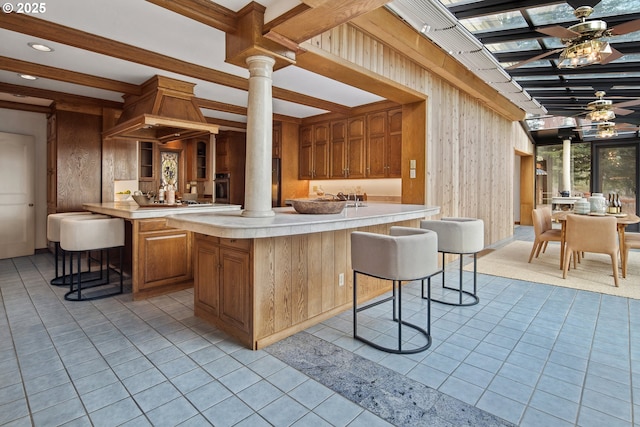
(53, 235)
(101, 234)
(458, 236)
(406, 254)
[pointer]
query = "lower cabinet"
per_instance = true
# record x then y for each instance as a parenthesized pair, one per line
(162, 258)
(222, 284)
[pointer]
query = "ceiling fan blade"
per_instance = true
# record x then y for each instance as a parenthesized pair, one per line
(626, 28)
(622, 111)
(558, 31)
(630, 103)
(535, 58)
(615, 54)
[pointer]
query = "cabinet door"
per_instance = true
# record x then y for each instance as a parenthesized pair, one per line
(165, 257)
(356, 148)
(338, 150)
(305, 164)
(394, 144)
(376, 147)
(222, 154)
(276, 141)
(202, 172)
(146, 161)
(207, 276)
(321, 151)
(235, 282)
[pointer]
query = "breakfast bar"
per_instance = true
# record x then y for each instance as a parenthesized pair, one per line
(263, 279)
(158, 256)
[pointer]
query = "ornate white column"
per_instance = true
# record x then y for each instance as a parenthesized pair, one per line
(257, 198)
(566, 165)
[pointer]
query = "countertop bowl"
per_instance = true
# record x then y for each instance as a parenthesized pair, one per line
(318, 206)
(121, 197)
(142, 200)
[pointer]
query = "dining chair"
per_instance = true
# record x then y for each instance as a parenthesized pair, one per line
(631, 241)
(543, 231)
(591, 234)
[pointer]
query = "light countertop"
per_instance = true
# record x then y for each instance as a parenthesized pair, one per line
(287, 221)
(131, 210)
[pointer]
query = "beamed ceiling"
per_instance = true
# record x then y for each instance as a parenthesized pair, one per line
(105, 49)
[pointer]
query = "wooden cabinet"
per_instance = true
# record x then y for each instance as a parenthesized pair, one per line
(384, 144)
(147, 156)
(162, 258)
(74, 160)
(198, 159)
(222, 153)
(222, 287)
(276, 141)
(364, 146)
(314, 151)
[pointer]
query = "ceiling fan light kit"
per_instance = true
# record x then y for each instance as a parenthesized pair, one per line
(585, 53)
(606, 130)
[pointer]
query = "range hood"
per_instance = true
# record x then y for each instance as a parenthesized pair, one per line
(164, 111)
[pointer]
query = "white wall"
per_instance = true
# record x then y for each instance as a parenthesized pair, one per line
(35, 124)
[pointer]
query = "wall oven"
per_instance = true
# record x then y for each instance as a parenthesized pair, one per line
(222, 186)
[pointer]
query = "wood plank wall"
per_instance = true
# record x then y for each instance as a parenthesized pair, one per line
(470, 148)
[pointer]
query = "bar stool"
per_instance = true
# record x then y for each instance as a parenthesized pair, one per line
(458, 236)
(53, 235)
(406, 254)
(101, 234)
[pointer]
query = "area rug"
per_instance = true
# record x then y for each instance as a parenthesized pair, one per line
(593, 273)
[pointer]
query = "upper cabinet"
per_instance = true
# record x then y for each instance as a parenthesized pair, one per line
(384, 144)
(365, 146)
(277, 141)
(314, 151)
(202, 171)
(146, 156)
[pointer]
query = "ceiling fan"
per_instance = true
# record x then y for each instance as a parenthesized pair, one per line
(604, 110)
(606, 129)
(582, 41)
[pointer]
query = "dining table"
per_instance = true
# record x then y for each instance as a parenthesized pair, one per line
(623, 219)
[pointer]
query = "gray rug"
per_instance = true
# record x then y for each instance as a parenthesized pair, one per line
(399, 400)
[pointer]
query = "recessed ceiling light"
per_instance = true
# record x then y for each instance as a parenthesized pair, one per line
(28, 77)
(17, 95)
(40, 47)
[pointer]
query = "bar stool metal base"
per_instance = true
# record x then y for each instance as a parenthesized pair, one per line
(461, 292)
(66, 279)
(82, 283)
(397, 317)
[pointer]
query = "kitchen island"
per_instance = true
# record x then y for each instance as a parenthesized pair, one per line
(263, 279)
(158, 256)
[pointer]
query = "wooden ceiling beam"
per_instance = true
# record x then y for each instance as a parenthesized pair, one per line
(203, 11)
(40, 28)
(58, 97)
(322, 16)
(25, 107)
(336, 68)
(59, 74)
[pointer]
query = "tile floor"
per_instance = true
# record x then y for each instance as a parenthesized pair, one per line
(532, 354)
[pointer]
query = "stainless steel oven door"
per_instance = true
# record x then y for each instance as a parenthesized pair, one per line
(222, 185)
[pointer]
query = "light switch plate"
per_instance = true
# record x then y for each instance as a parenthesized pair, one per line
(412, 173)
(412, 165)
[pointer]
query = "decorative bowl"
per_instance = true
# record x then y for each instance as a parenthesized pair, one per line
(318, 206)
(142, 200)
(121, 197)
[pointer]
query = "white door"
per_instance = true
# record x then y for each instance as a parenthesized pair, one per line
(17, 218)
